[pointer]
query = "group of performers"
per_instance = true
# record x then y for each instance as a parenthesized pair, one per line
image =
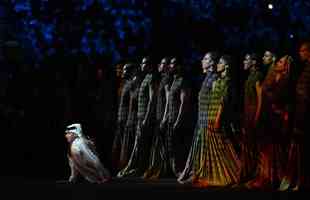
(155, 139)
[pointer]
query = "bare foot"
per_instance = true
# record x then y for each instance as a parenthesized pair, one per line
(285, 184)
(186, 181)
(201, 184)
(296, 188)
(104, 180)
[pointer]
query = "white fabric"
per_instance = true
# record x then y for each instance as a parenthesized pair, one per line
(84, 160)
(77, 129)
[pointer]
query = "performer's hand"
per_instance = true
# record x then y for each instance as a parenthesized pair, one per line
(285, 116)
(127, 124)
(255, 121)
(176, 125)
(243, 131)
(217, 125)
(104, 179)
(143, 124)
(162, 124)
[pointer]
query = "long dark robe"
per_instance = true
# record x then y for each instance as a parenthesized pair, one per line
(123, 110)
(178, 139)
(139, 161)
(129, 133)
(158, 157)
(296, 174)
(248, 154)
(271, 131)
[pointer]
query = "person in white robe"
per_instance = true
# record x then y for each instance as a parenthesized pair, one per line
(83, 158)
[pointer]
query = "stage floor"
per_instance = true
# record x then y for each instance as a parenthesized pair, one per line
(133, 188)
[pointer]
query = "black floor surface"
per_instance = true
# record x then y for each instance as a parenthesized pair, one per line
(132, 188)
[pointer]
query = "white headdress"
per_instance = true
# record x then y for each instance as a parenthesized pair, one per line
(76, 129)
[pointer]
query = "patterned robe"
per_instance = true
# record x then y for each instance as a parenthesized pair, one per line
(176, 143)
(248, 147)
(193, 164)
(128, 138)
(121, 122)
(138, 161)
(158, 158)
(221, 166)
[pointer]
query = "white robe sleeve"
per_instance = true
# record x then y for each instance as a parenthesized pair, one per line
(87, 162)
(74, 172)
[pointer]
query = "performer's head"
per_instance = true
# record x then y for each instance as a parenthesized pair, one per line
(283, 64)
(209, 62)
(250, 61)
(269, 58)
(176, 66)
(73, 131)
(146, 65)
(119, 70)
(163, 65)
(247, 62)
(304, 52)
(224, 65)
(128, 70)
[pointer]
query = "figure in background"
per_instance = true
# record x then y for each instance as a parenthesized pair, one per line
(176, 117)
(83, 158)
(296, 175)
(158, 159)
(128, 138)
(122, 115)
(247, 63)
(251, 108)
(194, 165)
(119, 79)
(139, 158)
(245, 71)
(196, 77)
(221, 166)
(272, 126)
(269, 60)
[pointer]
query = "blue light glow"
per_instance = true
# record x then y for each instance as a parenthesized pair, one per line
(252, 26)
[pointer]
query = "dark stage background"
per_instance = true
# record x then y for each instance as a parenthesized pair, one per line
(59, 62)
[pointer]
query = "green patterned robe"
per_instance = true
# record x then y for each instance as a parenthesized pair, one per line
(220, 165)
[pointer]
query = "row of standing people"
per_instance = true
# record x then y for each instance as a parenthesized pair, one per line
(164, 138)
(154, 114)
(142, 133)
(273, 122)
